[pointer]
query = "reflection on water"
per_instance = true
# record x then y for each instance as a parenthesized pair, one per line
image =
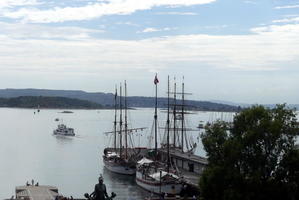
(113, 177)
(124, 186)
(62, 140)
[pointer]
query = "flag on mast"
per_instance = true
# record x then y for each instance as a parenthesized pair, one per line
(156, 81)
(115, 95)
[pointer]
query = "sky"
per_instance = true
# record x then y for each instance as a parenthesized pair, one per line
(244, 51)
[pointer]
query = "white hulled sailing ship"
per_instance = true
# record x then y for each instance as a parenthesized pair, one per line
(121, 158)
(154, 175)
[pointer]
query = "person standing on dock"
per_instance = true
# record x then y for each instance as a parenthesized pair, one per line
(100, 190)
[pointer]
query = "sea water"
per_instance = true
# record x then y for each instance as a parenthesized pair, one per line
(29, 150)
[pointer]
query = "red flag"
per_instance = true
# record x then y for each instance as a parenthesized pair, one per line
(156, 81)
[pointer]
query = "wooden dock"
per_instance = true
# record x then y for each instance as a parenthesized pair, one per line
(33, 192)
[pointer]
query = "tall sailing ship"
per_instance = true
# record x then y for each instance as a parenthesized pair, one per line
(180, 140)
(121, 157)
(160, 175)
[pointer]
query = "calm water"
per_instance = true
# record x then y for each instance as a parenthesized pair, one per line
(28, 150)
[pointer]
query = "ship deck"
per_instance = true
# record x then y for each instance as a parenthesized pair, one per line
(186, 156)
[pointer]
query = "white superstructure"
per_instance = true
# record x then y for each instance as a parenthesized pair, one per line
(63, 130)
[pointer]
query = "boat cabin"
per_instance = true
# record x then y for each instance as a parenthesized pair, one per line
(186, 161)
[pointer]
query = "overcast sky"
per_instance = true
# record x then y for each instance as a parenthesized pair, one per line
(235, 50)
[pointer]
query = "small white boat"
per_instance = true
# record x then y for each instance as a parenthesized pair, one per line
(201, 125)
(64, 131)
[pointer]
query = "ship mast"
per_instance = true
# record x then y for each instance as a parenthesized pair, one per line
(115, 118)
(183, 120)
(126, 122)
(156, 115)
(120, 121)
(122, 130)
(174, 115)
(168, 127)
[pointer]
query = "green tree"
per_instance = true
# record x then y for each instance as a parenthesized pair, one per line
(255, 159)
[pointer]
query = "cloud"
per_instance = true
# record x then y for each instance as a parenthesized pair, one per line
(287, 7)
(176, 13)
(12, 3)
(268, 48)
(32, 31)
(150, 30)
(287, 20)
(127, 23)
(250, 2)
(95, 10)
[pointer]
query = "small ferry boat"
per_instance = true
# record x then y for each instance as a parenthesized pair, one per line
(64, 131)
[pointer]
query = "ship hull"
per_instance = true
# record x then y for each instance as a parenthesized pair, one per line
(118, 167)
(63, 134)
(157, 187)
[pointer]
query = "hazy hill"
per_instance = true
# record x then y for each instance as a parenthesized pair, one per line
(47, 102)
(107, 99)
(245, 105)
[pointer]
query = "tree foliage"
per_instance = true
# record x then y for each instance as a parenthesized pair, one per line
(253, 159)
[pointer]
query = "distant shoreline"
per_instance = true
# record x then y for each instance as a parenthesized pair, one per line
(61, 109)
(107, 100)
(44, 102)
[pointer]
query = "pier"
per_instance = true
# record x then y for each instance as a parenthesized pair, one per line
(39, 192)
(33, 192)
